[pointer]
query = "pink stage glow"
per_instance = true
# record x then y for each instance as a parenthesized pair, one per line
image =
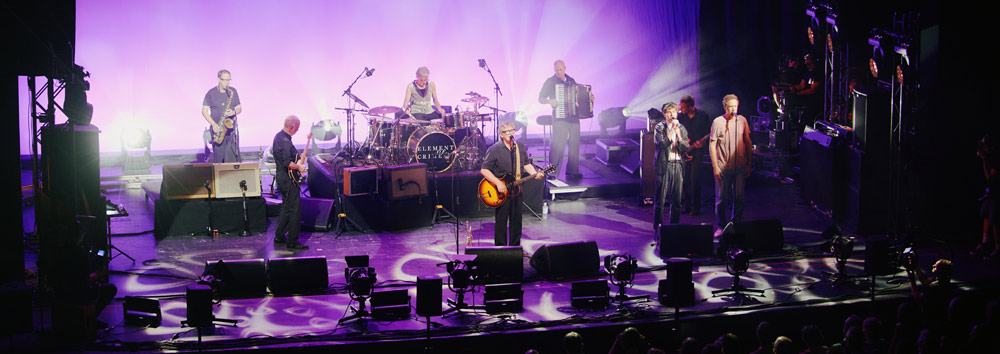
(152, 61)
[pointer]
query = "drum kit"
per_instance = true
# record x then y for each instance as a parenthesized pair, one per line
(453, 142)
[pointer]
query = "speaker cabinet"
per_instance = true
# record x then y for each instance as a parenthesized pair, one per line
(567, 260)
(188, 181)
(498, 264)
(429, 289)
(241, 278)
(404, 181)
(199, 306)
(685, 240)
(298, 275)
(647, 173)
(761, 236)
(503, 298)
(390, 305)
(678, 289)
(590, 294)
(229, 177)
(317, 214)
(71, 183)
(360, 180)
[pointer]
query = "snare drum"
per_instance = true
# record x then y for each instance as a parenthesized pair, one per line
(431, 146)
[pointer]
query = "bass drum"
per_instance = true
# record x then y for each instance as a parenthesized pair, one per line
(430, 146)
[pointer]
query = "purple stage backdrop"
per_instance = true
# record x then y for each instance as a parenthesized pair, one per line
(152, 61)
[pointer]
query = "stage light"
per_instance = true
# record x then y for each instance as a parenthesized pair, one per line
(75, 105)
(614, 117)
(459, 276)
(136, 138)
(621, 271)
(764, 106)
(361, 281)
(325, 130)
(738, 261)
(877, 55)
(842, 246)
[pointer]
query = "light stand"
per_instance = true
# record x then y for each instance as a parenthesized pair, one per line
(246, 219)
(738, 262)
(461, 280)
(621, 271)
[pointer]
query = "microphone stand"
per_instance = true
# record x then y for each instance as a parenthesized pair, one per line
(353, 150)
(496, 110)
(246, 220)
(212, 232)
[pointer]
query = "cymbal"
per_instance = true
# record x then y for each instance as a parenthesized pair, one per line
(473, 93)
(356, 99)
(476, 99)
(384, 110)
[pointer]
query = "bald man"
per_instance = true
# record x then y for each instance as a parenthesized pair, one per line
(562, 129)
(286, 158)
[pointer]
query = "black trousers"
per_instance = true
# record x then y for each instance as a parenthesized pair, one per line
(228, 151)
(290, 218)
(692, 181)
(508, 214)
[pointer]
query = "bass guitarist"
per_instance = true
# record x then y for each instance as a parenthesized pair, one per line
(698, 125)
(220, 107)
(507, 157)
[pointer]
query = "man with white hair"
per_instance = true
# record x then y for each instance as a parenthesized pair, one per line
(507, 157)
(287, 158)
(420, 93)
(731, 151)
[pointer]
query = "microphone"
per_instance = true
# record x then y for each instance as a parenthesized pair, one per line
(243, 185)
(369, 72)
(482, 63)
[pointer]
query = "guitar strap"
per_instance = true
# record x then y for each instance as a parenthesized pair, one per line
(517, 164)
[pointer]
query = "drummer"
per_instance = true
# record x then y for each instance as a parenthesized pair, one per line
(419, 94)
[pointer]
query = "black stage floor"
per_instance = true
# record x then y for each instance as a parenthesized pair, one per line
(794, 279)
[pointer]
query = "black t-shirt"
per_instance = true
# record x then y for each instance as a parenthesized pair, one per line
(216, 101)
(500, 160)
(697, 126)
(284, 153)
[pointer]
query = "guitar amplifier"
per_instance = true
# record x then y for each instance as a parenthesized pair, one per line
(404, 181)
(187, 181)
(229, 176)
(360, 180)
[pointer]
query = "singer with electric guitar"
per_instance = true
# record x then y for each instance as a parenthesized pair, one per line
(287, 161)
(698, 125)
(502, 158)
(220, 107)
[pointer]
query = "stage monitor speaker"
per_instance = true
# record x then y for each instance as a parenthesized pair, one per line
(685, 240)
(678, 288)
(390, 305)
(761, 236)
(199, 306)
(228, 177)
(404, 181)
(360, 180)
(567, 260)
(143, 312)
(590, 294)
(322, 176)
(317, 214)
(298, 275)
(241, 278)
(429, 289)
(188, 181)
(498, 264)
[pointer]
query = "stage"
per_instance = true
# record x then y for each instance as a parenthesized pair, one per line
(796, 279)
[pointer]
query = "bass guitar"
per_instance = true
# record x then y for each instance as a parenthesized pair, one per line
(228, 124)
(492, 197)
(687, 154)
(297, 176)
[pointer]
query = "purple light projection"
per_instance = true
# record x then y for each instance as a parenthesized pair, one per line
(152, 61)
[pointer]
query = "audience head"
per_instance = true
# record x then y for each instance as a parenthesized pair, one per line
(573, 343)
(783, 345)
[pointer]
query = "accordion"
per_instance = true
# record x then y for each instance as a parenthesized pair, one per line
(573, 101)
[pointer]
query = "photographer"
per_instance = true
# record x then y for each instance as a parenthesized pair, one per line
(990, 207)
(932, 294)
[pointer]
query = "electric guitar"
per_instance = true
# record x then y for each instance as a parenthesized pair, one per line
(297, 176)
(687, 154)
(492, 197)
(228, 123)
